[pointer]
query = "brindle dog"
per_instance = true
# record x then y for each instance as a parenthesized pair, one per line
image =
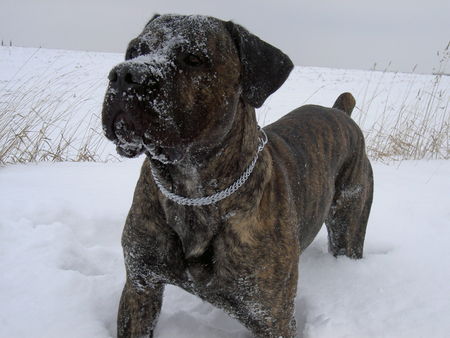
(186, 97)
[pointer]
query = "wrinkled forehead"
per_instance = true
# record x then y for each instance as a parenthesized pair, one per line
(189, 33)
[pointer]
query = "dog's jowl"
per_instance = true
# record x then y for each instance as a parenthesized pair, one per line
(222, 208)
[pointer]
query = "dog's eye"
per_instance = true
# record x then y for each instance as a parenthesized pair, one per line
(137, 49)
(131, 53)
(193, 60)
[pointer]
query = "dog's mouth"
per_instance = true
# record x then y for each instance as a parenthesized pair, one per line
(166, 155)
(128, 139)
(132, 140)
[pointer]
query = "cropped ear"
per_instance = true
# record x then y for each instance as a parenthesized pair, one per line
(264, 67)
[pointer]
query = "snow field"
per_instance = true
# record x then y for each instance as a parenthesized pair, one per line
(60, 256)
(62, 267)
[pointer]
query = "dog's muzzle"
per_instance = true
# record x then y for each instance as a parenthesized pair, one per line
(130, 87)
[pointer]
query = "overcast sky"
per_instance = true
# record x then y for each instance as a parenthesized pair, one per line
(331, 33)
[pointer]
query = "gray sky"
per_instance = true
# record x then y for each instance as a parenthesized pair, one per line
(330, 33)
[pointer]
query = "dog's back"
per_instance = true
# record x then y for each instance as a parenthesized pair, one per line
(326, 149)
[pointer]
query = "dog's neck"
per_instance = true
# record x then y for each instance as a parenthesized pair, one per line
(203, 174)
(206, 170)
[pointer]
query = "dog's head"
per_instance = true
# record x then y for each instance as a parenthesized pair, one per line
(181, 82)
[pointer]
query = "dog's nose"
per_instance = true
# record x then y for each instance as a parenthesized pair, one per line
(125, 76)
(131, 75)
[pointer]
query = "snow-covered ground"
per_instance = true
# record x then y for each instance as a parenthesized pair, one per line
(60, 257)
(62, 268)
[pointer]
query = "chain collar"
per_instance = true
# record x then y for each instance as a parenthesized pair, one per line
(211, 199)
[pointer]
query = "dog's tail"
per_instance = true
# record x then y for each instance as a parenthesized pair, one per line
(345, 102)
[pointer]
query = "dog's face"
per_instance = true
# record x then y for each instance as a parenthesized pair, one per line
(159, 98)
(180, 85)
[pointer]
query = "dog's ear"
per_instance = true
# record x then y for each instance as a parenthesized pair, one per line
(264, 67)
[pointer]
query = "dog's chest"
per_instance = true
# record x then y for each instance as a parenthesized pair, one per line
(196, 228)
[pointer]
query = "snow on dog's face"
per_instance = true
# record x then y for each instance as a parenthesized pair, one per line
(178, 87)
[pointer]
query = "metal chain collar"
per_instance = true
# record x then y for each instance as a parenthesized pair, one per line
(211, 199)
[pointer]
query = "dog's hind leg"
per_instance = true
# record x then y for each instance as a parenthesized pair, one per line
(139, 310)
(347, 219)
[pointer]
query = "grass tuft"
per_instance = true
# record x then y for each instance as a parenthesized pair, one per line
(417, 128)
(51, 117)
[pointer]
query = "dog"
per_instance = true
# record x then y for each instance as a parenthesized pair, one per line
(222, 208)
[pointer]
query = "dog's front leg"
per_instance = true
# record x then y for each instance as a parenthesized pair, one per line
(139, 310)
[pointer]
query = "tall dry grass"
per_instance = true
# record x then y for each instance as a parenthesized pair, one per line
(48, 117)
(54, 116)
(417, 128)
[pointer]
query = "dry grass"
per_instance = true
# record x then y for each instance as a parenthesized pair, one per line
(46, 118)
(416, 129)
(42, 119)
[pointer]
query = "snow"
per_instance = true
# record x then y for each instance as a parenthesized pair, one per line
(60, 225)
(62, 266)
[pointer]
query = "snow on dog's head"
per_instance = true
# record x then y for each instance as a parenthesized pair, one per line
(182, 82)
(179, 84)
